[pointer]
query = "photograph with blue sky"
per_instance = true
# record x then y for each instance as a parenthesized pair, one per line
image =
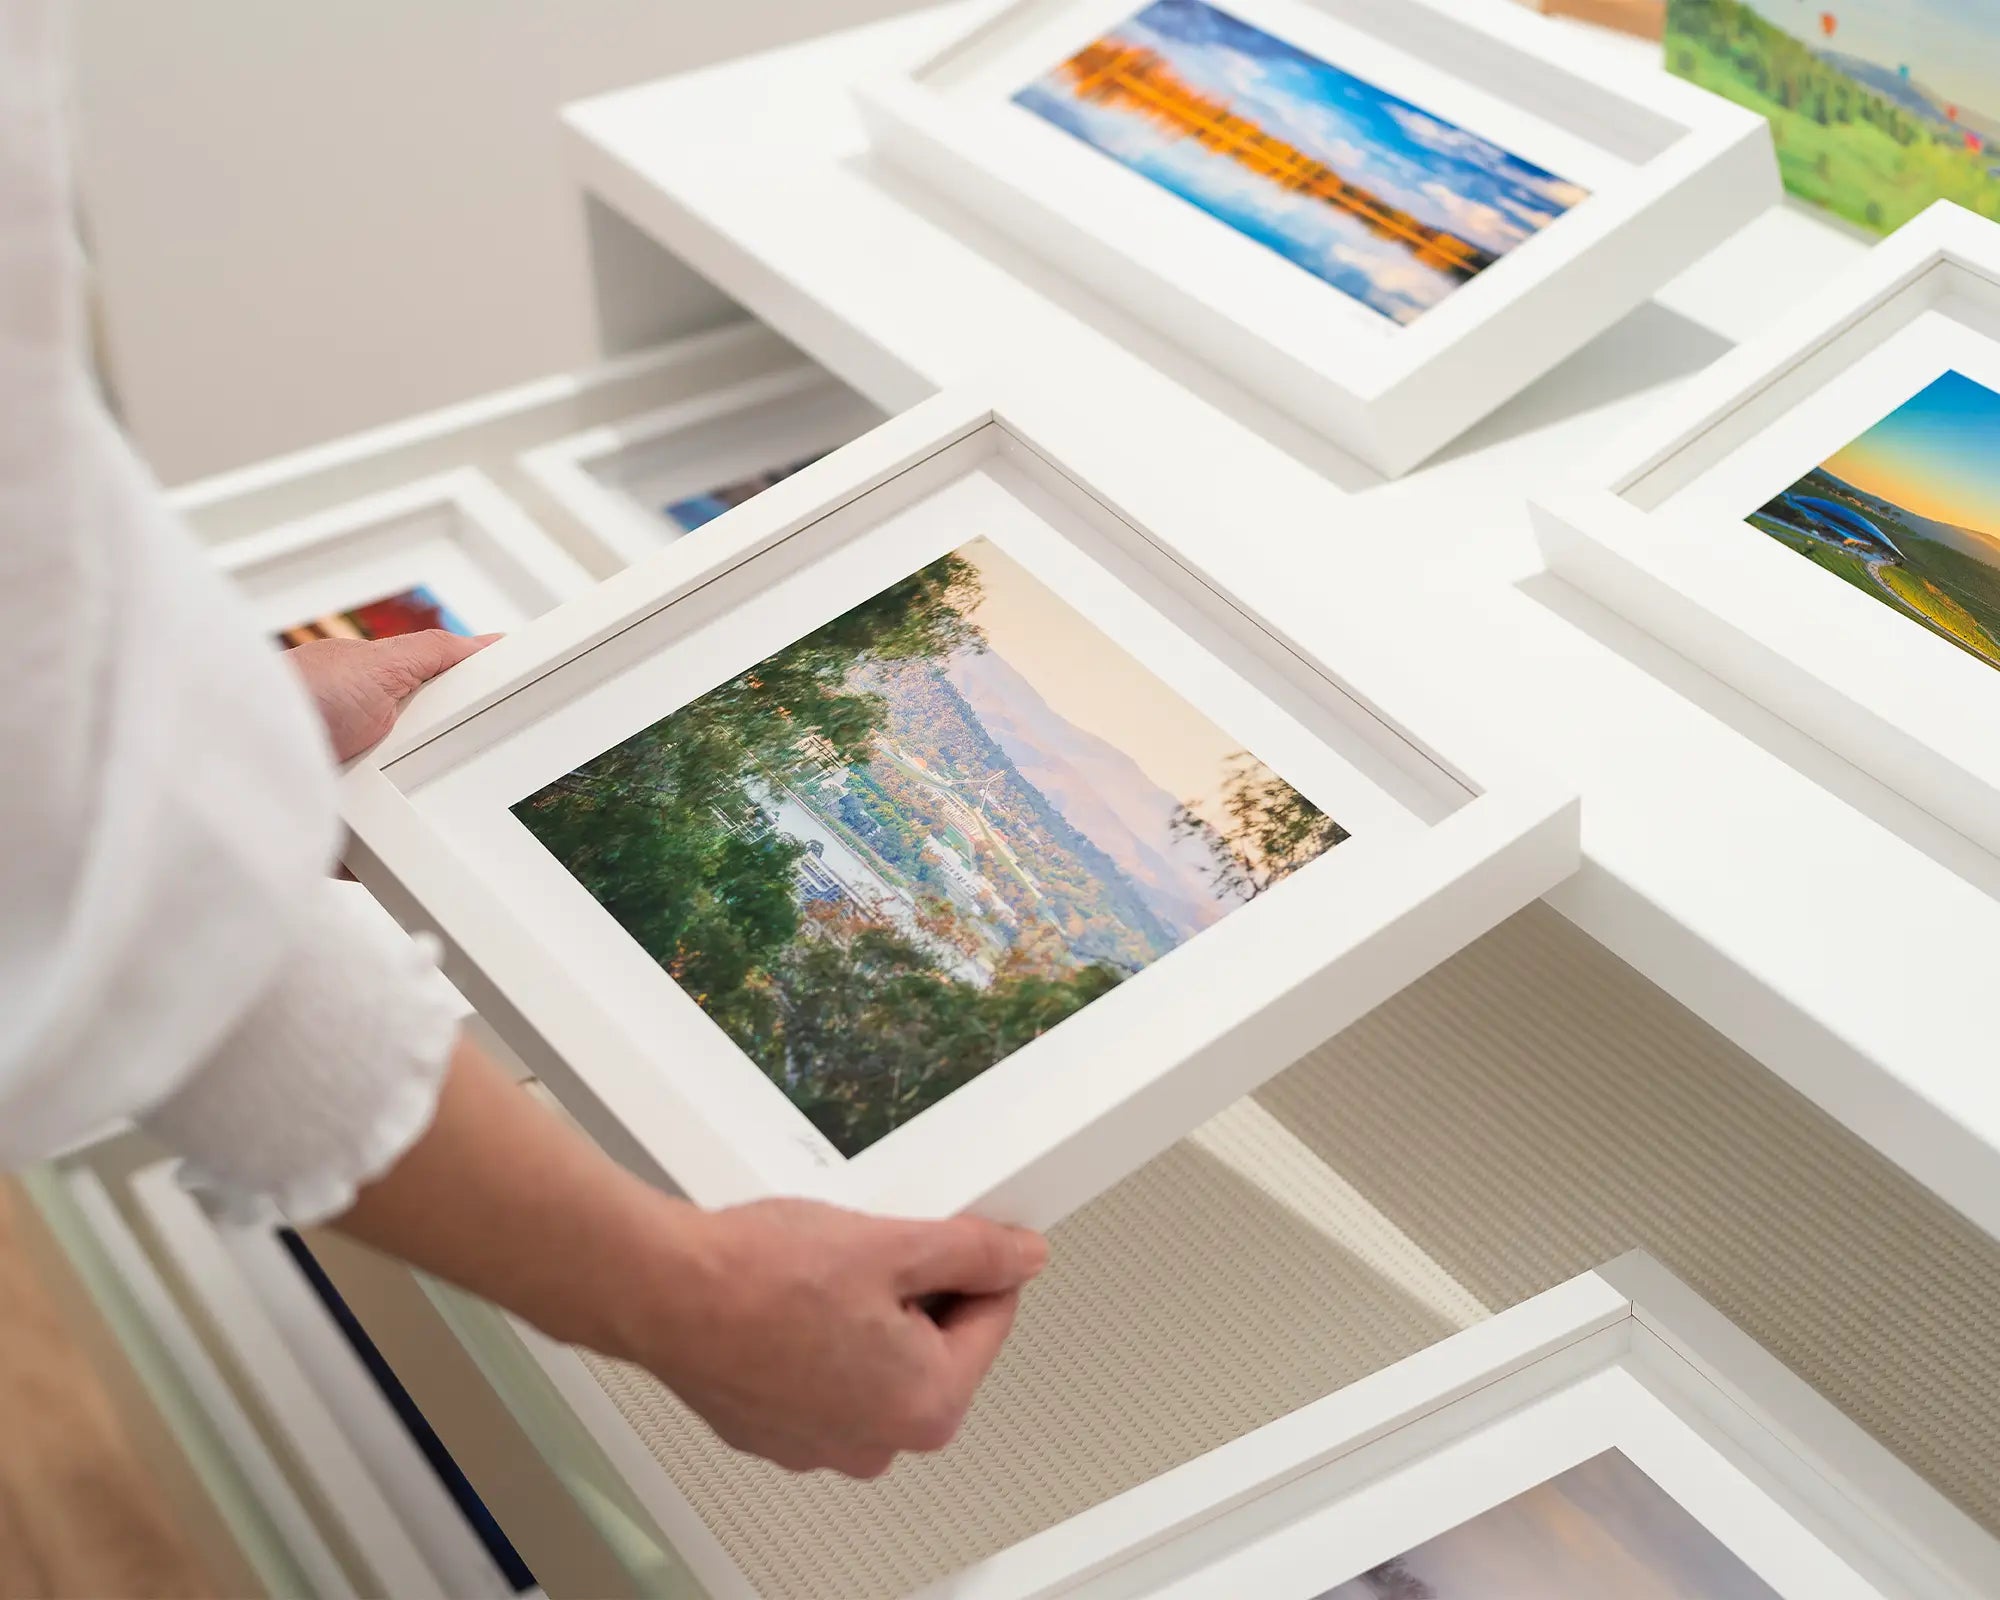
(1385, 201)
(1601, 1531)
(899, 849)
(1910, 513)
(1949, 48)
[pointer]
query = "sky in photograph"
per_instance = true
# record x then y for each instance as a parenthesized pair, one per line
(1600, 1530)
(1950, 46)
(1937, 455)
(1092, 682)
(1435, 170)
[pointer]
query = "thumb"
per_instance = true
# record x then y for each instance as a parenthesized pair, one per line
(406, 661)
(969, 1256)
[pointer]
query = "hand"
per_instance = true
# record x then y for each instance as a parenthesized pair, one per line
(797, 1331)
(360, 684)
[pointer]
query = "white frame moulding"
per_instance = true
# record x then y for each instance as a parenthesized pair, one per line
(1027, 1144)
(207, 1390)
(508, 570)
(1799, 1483)
(1910, 709)
(1795, 1489)
(488, 432)
(1685, 169)
(339, 1424)
(758, 425)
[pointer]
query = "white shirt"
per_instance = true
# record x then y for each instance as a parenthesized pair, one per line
(170, 946)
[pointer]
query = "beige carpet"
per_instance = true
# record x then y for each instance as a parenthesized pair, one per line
(1531, 1110)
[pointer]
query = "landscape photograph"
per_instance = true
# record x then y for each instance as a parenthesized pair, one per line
(411, 611)
(1910, 513)
(697, 510)
(1388, 203)
(893, 853)
(1598, 1531)
(1878, 107)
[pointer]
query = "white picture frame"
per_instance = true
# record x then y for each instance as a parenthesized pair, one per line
(334, 1418)
(1672, 172)
(455, 533)
(1450, 834)
(1660, 535)
(1625, 1358)
(619, 479)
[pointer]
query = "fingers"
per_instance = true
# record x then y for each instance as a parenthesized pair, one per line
(968, 1256)
(974, 1330)
(407, 661)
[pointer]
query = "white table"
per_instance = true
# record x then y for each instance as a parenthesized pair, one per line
(1843, 938)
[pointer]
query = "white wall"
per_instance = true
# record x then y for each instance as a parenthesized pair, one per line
(312, 216)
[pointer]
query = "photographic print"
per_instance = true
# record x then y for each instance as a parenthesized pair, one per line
(894, 852)
(1910, 513)
(412, 611)
(1878, 107)
(1600, 1530)
(699, 509)
(1388, 203)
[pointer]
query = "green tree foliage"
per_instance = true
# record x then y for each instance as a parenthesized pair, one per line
(859, 1023)
(662, 829)
(869, 1032)
(1273, 831)
(1842, 143)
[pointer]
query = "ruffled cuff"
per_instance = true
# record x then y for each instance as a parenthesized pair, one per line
(331, 1076)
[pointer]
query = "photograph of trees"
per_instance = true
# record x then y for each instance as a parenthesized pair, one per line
(891, 854)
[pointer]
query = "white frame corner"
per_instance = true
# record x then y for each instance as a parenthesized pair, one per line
(1910, 709)
(1393, 401)
(1402, 912)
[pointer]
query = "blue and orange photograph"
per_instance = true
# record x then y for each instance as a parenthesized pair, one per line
(1390, 204)
(1910, 513)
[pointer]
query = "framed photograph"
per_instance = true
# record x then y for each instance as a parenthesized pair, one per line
(449, 551)
(1878, 107)
(648, 480)
(1816, 520)
(368, 1451)
(1385, 216)
(932, 836)
(1615, 1436)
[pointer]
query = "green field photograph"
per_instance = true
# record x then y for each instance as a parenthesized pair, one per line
(894, 852)
(1878, 107)
(1910, 513)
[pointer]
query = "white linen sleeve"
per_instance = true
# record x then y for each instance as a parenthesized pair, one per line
(167, 817)
(313, 1096)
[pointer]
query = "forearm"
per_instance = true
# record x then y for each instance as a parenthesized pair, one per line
(500, 1196)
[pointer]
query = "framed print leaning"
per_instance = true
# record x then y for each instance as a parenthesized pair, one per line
(933, 836)
(1878, 107)
(1858, 439)
(645, 481)
(372, 1458)
(1387, 217)
(1615, 1436)
(449, 551)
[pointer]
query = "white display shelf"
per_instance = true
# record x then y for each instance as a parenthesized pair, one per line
(1726, 854)
(644, 482)
(708, 374)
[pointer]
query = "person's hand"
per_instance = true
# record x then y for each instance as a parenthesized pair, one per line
(360, 684)
(799, 1331)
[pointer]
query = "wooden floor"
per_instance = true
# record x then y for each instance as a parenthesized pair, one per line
(79, 1514)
